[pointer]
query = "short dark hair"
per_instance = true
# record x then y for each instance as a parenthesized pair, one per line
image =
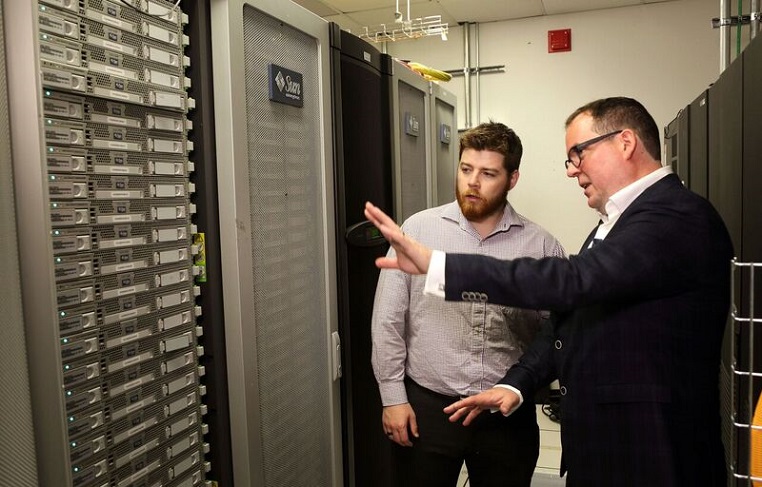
(496, 137)
(610, 114)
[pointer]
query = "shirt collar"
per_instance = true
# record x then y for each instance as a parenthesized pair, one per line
(510, 217)
(622, 199)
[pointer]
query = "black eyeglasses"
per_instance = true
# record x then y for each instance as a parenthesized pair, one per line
(576, 150)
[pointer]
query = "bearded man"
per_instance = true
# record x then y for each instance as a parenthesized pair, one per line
(428, 353)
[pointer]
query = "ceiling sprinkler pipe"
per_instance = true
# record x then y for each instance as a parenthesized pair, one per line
(467, 72)
(754, 19)
(724, 34)
(478, 101)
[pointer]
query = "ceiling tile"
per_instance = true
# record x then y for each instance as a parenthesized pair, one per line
(317, 7)
(372, 18)
(350, 6)
(491, 10)
(553, 7)
(373, 13)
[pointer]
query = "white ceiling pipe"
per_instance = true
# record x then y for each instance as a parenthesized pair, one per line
(754, 19)
(724, 34)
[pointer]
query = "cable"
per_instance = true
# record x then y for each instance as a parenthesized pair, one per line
(551, 412)
(552, 408)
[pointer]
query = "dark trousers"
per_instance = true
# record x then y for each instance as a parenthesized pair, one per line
(498, 450)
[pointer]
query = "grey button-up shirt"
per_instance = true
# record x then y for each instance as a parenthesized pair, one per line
(453, 348)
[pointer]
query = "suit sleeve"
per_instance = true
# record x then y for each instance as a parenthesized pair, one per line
(650, 254)
(535, 367)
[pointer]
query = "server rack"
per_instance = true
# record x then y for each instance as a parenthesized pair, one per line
(445, 145)
(273, 121)
(204, 177)
(101, 163)
(676, 145)
(723, 165)
(698, 144)
(725, 117)
(747, 345)
(361, 78)
(723, 162)
(413, 177)
(19, 464)
(751, 241)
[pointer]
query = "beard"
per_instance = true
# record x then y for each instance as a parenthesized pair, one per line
(482, 208)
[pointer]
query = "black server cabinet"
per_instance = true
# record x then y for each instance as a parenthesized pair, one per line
(724, 169)
(724, 191)
(724, 164)
(677, 143)
(206, 200)
(698, 146)
(751, 241)
(361, 78)
(749, 250)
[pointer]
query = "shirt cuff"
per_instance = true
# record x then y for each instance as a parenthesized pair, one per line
(435, 277)
(392, 393)
(518, 393)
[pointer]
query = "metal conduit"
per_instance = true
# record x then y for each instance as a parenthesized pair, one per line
(478, 76)
(724, 34)
(467, 71)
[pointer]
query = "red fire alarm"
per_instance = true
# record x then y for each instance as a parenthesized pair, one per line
(559, 40)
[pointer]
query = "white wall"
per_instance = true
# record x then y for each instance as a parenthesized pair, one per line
(662, 54)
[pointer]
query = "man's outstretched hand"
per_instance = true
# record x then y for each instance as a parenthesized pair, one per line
(412, 257)
(495, 399)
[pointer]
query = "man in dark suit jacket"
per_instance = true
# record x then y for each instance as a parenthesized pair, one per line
(639, 312)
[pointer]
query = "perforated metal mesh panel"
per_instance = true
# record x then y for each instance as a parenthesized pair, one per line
(17, 455)
(288, 256)
(413, 187)
(445, 153)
